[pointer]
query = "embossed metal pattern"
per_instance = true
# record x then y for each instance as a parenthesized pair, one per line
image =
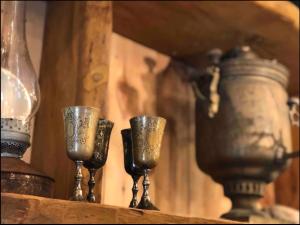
(104, 128)
(15, 138)
(26, 184)
(19, 177)
(101, 145)
(80, 124)
(147, 134)
(80, 129)
(8, 124)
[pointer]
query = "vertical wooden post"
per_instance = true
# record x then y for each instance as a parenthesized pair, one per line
(74, 71)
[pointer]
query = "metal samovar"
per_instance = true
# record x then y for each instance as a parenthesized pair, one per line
(243, 126)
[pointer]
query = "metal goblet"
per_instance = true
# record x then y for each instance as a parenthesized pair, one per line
(130, 167)
(80, 124)
(147, 134)
(100, 153)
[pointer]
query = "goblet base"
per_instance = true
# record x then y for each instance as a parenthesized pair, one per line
(91, 199)
(147, 205)
(77, 198)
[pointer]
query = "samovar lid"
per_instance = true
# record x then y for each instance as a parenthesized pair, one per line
(242, 61)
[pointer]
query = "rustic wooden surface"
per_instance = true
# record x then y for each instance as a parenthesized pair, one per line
(74, 71)
(188, 29)
(36, 210)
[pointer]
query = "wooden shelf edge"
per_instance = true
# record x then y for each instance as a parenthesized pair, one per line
(16, 208)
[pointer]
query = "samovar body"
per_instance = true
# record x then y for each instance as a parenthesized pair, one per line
(243, 129)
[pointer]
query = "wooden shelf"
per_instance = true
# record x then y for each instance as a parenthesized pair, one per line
(188, 29)
(17, 208)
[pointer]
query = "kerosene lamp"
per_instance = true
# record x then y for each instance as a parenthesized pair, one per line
(20, 98)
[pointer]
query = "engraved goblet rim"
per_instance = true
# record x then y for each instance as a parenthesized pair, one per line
(81, 107)
(106, 122)
(147, 117)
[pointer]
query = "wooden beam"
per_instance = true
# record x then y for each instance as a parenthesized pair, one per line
(37, 210)
(74, 71)
(188, 29)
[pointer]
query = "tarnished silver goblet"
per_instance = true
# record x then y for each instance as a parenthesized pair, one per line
(130, 167)
(147, 134)
(100, 153)
(80, 124)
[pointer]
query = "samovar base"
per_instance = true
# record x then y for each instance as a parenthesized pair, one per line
(264, 216)
(244, 195)
(243, 215)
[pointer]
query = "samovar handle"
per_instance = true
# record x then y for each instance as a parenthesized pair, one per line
(213, 99)
(196, 78)
(294, 110)
(293, 104)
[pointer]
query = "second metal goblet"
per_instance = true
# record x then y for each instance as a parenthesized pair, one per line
(147, 134)
(80, 124)
(100, 153)
(130, 167)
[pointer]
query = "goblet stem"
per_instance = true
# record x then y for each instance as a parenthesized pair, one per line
(91, 195)
(146, 184)
(135, 189)
(77, 193)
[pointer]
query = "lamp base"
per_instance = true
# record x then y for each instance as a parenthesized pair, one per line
(19, 177)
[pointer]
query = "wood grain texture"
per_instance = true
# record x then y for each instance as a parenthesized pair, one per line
(36, 210)
(188, 29)
(74, 71)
